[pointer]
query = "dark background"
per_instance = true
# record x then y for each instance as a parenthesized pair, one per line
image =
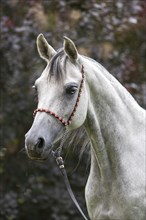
(111, 32)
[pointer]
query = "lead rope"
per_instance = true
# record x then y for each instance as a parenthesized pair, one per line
(60, 164)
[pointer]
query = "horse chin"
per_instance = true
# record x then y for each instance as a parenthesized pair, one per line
(41, 159)
(33, 155)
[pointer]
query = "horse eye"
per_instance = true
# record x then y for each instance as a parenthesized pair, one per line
(35, 93)
(34, 87)
(71, 90)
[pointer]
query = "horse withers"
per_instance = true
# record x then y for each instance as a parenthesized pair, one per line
(114, 123)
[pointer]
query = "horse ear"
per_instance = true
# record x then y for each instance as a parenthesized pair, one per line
(70, 49)
(45, 50)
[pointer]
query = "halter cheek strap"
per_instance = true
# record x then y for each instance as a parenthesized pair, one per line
(65, 123)
(62, 120)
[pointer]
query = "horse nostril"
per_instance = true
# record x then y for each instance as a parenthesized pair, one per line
(40, 145)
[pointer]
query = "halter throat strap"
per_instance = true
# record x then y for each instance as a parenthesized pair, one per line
(62, 120)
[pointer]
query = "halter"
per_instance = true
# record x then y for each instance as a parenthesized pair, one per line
(62, 120)
(57, 152)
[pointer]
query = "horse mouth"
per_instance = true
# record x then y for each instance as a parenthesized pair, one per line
(39, 156)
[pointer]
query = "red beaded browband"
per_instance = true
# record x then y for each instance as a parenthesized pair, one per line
(63, 121)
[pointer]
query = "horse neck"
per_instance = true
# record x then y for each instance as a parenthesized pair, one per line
(109, 118)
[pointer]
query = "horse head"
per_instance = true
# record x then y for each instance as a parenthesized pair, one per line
(62, 98)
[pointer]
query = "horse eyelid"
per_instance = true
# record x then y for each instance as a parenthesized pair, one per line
(71, 85)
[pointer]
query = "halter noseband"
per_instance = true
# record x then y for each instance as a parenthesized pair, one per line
(63, 121)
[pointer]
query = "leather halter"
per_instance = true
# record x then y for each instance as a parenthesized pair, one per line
(62, 120)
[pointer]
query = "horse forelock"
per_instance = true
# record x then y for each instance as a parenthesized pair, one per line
(57, 65)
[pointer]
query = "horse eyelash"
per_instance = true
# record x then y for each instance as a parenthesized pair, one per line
(36, 97)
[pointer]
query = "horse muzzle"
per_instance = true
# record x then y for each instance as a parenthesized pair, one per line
(36, 148)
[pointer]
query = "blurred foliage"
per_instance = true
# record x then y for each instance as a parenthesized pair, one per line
(111, 32)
